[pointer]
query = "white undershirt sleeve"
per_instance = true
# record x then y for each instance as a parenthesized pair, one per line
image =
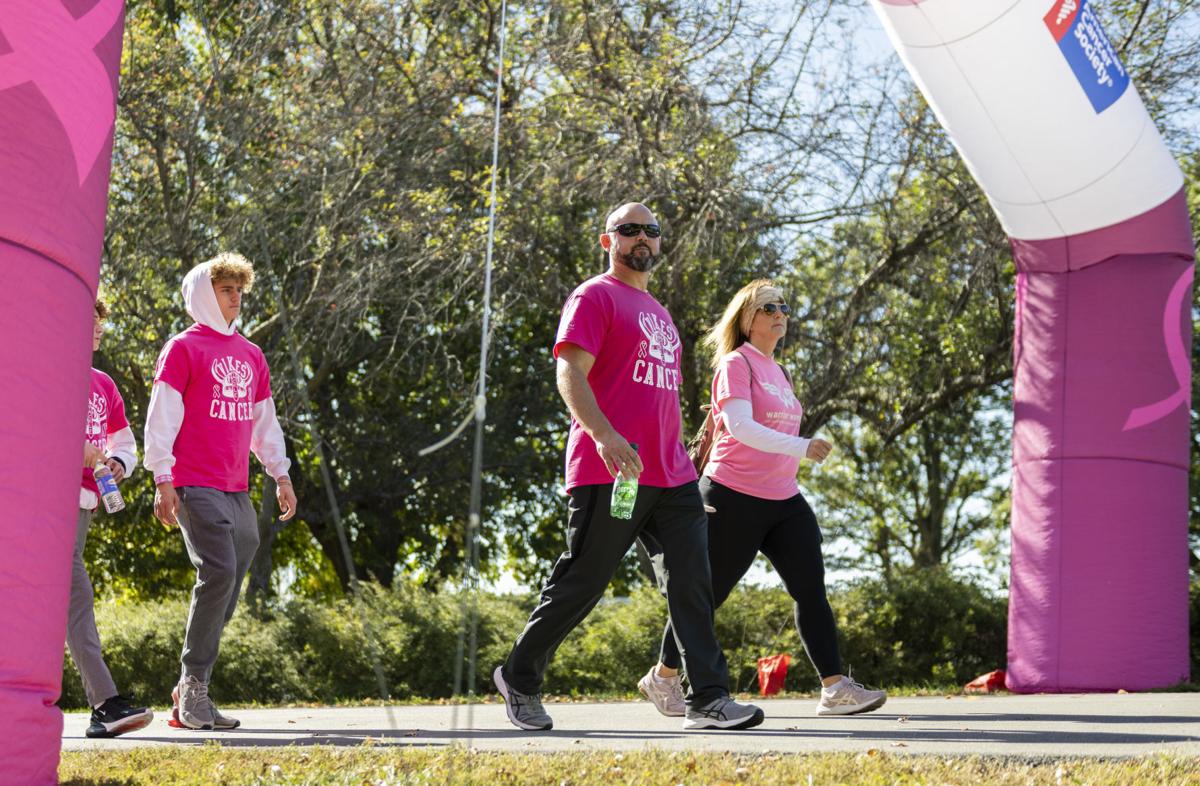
(164, 417)
(738, 416)
(122, 445)
(266, 440)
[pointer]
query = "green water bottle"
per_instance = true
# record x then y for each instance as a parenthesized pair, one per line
(624, 494)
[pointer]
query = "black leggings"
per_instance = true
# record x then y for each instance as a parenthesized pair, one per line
(786, 532)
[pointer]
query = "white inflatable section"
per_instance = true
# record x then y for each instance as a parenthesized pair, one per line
(1046, 119)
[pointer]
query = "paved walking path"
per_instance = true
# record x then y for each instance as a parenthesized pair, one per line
(1046, 725)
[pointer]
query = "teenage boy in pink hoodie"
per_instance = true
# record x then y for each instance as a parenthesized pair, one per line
(210, 407)
(107, 439)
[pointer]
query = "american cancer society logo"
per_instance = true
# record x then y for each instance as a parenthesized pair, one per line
(1088, 51)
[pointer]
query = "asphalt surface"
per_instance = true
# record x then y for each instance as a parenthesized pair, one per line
(1028, 726)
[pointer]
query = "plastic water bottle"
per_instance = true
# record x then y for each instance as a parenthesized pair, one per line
(108, 489)
(624, 494)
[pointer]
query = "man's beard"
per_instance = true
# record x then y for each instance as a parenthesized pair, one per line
(639, 262)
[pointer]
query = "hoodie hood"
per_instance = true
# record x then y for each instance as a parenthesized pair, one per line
(201, 300)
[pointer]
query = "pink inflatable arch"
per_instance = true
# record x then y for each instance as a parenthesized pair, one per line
(1040, 107)
(58, 87)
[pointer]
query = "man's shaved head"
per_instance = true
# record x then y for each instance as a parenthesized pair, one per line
(634, 212)
(639, 252)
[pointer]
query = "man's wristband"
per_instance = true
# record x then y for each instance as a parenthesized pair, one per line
(122, 463)
(163, 479)
(283, 480)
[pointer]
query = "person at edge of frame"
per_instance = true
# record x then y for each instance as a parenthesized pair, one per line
(108, 440)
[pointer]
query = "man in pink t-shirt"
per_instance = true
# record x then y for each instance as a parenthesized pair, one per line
(107, 439)
(210, 407)
(619, 373)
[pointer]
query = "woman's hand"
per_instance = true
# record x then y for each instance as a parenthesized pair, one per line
(818, 450)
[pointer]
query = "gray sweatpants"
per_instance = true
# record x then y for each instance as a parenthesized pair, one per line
(221, 535)
(83, 640)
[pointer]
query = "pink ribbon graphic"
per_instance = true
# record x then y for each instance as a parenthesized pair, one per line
(1177, 355)
(55, 53)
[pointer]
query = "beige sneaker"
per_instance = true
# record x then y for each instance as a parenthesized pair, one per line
(193, 710)
(665, 693)
(849, 698)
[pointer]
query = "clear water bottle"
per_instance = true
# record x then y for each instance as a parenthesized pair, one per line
(624, 494)
(108, 489)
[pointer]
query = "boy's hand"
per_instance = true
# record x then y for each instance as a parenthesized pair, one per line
(117, 468)
(92, 455)
(166, 504)
(285, 495)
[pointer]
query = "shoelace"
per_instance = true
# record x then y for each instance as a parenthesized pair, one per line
(716, 710)
(519, 700)
(195, 693)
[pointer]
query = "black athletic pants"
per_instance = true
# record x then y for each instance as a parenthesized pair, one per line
(672, 526)
(786, 532)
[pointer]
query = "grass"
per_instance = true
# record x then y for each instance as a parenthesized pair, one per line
(212, 765)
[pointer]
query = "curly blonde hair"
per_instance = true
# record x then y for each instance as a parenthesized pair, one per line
(232, 266)
(733, 328)
(101, 309)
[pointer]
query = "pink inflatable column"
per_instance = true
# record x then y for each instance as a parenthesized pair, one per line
(1044, 114)
(58, 82)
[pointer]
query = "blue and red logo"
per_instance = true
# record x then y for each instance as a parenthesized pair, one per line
(1088, 51)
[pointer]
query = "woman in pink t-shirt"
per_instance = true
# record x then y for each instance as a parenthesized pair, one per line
(755, 505)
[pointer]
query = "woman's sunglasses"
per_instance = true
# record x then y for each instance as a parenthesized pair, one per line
(771, 308)
(632, 230)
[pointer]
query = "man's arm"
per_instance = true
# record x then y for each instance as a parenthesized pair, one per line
(574, 363)
(266, 443)
(164, 417)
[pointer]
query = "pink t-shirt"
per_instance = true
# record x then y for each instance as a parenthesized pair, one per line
(635, 379)
(221, 378)
(741, 467)
(105, 415)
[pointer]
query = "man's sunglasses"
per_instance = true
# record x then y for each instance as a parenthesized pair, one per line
(632, 230)
(782, 308)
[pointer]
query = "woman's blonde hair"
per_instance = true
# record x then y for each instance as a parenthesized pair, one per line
(231, 266)
(733, 328)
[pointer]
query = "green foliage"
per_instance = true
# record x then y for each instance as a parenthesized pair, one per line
(921, 626)
(1194, 628)
(307, 651)
(345, 147)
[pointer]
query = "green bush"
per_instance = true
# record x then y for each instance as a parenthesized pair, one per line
(1194, 637)
(306, 651)
(920, 628)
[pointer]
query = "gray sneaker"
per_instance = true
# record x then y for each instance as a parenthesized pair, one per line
(665, 693)
(223, 722)
(723, 713)
(525, 711)
(195, 710)
(849, 698)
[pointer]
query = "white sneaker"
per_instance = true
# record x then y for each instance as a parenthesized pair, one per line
(849, 698)
(665, 693)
